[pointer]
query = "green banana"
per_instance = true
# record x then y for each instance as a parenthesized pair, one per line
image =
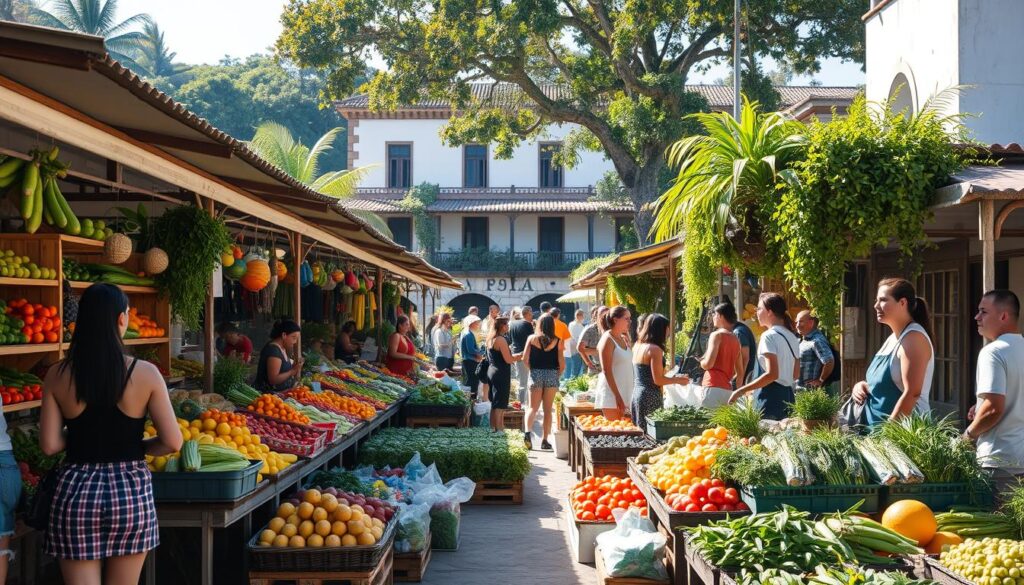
(54, 151)
(46, 216)
(52, 206)
(30, 180)
(27, 202)
(36, 219)
(10, 167)
(73, 227)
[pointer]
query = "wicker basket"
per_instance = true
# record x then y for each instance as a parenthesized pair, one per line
(305, 560)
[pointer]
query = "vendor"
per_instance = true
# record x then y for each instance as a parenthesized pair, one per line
(276, 372)
(236, 345)
(346, 348)
(401, 356)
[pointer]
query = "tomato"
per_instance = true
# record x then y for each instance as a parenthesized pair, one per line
(588, 516)
(697, 490)
(5, 398)
(592, 495)
(589, 506)
(706, 483)
(691, 507)
(742, 506)
(727, 508)
(603, 512)
(709, 508)
(716, 495)
(717, 483)
(731, 495)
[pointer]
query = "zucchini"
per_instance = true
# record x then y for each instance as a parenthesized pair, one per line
(130, 280)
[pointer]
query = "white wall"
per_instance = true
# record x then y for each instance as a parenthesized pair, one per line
(990, 59)
(604, 234)
(435, 163)
(451, 233)
(526, 233)
(576, 233)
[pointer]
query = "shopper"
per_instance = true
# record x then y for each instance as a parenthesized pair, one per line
(776, 358)
(499, 372)
(428, 333)
(103, 518)
(519, 332)
(816, 358)
(401, 356)
(444, 345)
(998, 425)
(472, 353)
(591, 336)
(899, 377)
(722, 362)
(493, 312)
(615, 382)
(748, 349)
(236, 345)
(516, 313)
(545, 308)
(10, 492)
(346, 348)
(276, 372)
(574, 363)
(544, 355)
(649, 369)
(561, 329)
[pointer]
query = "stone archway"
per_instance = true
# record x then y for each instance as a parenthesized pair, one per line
(568, 309)
(463, 302)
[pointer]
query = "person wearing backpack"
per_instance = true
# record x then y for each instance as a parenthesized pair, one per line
(817, 360)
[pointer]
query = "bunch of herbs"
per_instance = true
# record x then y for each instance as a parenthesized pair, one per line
(816, 404)
(477, 454)
(741, 419)
(937, 449)
(834, 457)
(578, 384)
(681, 414)
(228, 372)
(747, 466)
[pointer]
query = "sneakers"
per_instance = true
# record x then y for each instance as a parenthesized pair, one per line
(545, 446)
(528, 439)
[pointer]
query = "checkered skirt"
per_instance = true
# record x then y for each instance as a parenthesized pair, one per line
(103, 510)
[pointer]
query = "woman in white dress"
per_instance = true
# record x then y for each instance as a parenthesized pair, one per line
(615, 382)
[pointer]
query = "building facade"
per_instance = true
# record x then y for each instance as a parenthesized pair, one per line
(510, 229)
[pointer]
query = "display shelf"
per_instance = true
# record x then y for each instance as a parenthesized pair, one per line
(128, 288)
(28, 348)
(78, 243)
(23, 406)
(10, 281)
(147, 341)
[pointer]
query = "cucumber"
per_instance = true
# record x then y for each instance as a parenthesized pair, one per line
(36, 219)
(107, 268)
(74, 227)
(57, 217)
(124, 279)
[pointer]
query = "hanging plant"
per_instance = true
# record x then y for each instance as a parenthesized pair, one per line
(642, 291)
(196, 241)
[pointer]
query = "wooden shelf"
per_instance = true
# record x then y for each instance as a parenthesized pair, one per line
(147, 341)
(128, 288)
(23, 406)
(28, 348)
(10, 281)
(74, 243)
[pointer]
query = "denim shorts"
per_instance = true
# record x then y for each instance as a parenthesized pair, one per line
(10, 491)
(541, 379)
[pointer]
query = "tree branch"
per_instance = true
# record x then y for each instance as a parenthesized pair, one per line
(576, 20)
(692, 54)
(668, 43)
(555, 60)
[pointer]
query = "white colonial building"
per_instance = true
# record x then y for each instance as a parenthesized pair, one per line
(509, 229)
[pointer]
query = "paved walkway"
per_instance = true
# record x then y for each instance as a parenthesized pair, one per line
(517, 545)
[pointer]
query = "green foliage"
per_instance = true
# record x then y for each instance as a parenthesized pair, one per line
(866, 179)
(96, 17)
(588, 266)
(416, 202)
(816, 404)
(193, 241)
(228, 372)
(642, 292)
(741, 419)
(155, 58)
(477, 454)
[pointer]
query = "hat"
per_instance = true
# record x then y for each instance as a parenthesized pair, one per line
(469, 320)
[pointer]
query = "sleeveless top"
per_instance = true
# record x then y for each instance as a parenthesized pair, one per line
(622, 370)
(885, 378)
(721, 372)
(262, 382)
(497, 361)
(643, 379)
(401, 366)
(105, 435)
(544, 359)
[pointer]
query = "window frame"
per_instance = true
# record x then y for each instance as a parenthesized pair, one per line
(487, 230)
(540, 220)
(486, 171)
(387, 164)
(540, 165)
(412, 227)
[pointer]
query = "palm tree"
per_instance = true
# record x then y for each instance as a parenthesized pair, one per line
(97, 17)
(155, 58)
(275, 143)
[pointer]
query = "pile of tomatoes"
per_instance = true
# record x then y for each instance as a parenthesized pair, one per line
(40, 324)
(27, 393)
(709, 495)
(596, 498)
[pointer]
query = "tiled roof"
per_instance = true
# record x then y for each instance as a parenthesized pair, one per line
(517, 204)
(507, 95)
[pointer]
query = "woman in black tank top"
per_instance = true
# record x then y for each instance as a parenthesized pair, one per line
(545, 355)
(499, 371)
(103, 516)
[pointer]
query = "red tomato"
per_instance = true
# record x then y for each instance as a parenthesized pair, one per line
(706, 483)
(603, 512)
(716, 495)
(709, 508)
(731, 495)
(691, 507)
(727, 508)
(742, 506)
(5, 398)
(697, 490)
(717, 483)
(589, 506)
(588, 516)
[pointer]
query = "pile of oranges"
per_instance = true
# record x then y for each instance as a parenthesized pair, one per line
(676, 472)
(218, 416)
(335, 401)
(595, 498)
(272, 406)
(597, 422)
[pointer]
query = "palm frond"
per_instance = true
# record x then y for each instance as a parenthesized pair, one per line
(341, 184)
(273, 142)
(129, 24)
(373, 220)
(325, 143)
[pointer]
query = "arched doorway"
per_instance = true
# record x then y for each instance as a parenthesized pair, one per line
(902, 95)
(568, 309)
(462, 303)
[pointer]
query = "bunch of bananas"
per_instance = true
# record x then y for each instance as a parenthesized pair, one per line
(40, 197)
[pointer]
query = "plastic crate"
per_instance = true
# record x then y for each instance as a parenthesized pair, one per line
(199, 486)
(939, 496)
(663, 431)
(817, 499)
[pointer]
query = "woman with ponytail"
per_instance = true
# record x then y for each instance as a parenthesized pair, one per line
(899, 377)
(776, 359)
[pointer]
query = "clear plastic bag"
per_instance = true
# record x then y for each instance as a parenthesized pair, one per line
(413, 526)
(415, 468)
(445, 508)
(634, 548)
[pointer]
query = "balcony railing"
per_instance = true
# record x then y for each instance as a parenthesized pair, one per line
(511, 190)
(484, 260)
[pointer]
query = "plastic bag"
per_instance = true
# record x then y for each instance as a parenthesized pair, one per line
(482, 408)
(415, 468)
(681, 395)
(634, 548)
(413, 526)
(445, 509)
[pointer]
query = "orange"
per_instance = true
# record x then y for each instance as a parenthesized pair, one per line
(942, 540)
(912, 519)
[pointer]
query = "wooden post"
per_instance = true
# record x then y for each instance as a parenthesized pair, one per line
(299, 256)
(379, 287)
(672, 311)
(208, 325)
(423, 309)
(986, 232)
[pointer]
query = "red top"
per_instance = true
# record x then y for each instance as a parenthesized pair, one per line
(400, 365)
(243, 348)
(721, 372)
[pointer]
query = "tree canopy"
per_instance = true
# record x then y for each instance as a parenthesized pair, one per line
(96, 17)
(622, 65)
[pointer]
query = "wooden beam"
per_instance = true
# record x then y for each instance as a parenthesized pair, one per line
(297, 285)
(179, 143)
(1006, 233)
(115, 172)
(378, 289)
(46, 54)
(208, 324)
(1004, 214)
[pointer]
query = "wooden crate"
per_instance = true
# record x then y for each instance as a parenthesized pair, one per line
(411, 567)
(514, 419)
(604, 579)
(415, 422)
(380, 575)
(602, 469)
(497, 493)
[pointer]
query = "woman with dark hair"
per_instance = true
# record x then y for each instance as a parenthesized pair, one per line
(722, 362)
(649, 369)
(499, 372)
(777, 359)
(103, 518)
(346, 348)
(236, 344)
(546, 359)
(899, 377)
(443, 343)
(615, 382)
(401, 357)
(276, 372)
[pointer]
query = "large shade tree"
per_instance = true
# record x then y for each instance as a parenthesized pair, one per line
(619, 67)
(123, 38)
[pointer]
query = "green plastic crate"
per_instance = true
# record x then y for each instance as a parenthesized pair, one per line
(817, 499)
(663, 431)
(939, 496)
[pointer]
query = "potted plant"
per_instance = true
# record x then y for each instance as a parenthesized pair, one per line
(815, 408)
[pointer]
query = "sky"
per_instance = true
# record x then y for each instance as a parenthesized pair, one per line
(239, 28)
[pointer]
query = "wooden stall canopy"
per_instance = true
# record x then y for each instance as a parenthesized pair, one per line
(65, 86)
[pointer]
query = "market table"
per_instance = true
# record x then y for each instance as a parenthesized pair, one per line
(208, 516)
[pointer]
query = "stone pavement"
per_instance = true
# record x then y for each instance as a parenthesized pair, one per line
(517, 545)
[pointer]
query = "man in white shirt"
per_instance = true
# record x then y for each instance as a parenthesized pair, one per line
(574, 363)
(998, 425)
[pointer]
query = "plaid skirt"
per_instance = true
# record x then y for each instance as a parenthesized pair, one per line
(102, 510)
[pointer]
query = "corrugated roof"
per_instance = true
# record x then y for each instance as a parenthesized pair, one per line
(508, 95)
(983, 182)
(520, 204)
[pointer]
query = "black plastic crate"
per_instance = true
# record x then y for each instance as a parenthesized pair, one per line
(199, 486)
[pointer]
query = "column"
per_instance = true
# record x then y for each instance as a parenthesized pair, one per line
(590, 236)
(986, 232)
(299, 256)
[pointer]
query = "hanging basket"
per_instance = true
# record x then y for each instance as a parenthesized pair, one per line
(117, 249)
(156, 261)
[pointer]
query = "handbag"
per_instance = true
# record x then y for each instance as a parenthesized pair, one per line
(38, 516)
(853, 415)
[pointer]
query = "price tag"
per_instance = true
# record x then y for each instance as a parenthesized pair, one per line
(315, 386)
